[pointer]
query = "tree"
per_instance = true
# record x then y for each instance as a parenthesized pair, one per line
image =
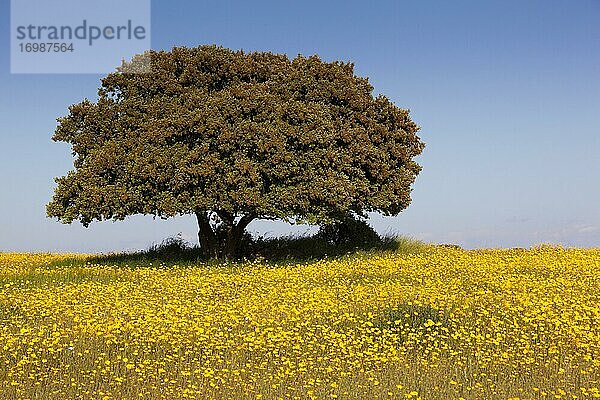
(231, 137)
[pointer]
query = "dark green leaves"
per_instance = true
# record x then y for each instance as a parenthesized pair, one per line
(214, 129)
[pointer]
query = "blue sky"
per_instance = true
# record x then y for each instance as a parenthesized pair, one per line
(507, 94)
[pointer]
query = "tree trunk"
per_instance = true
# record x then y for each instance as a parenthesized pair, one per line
(206, 235)
(230, 250)
(228, 246)
(235, 232)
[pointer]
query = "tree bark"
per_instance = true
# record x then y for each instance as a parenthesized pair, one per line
(228, 246)
(235, 232)
(206, 235)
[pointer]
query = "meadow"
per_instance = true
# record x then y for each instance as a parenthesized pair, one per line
(437, 323)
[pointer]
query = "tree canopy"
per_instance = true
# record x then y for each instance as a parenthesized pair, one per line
(232, 136)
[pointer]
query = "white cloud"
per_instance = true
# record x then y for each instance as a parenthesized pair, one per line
(586, 228)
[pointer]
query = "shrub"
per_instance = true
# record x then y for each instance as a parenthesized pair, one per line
(349, 232)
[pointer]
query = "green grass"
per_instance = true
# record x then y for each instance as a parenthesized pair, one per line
(406, 244)
(284, 250)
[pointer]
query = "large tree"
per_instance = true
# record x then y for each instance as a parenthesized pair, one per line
(231, 137)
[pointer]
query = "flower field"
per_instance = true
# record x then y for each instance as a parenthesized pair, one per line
(439, 324)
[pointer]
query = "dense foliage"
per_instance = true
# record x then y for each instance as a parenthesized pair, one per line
(233, 136)
(349, 231)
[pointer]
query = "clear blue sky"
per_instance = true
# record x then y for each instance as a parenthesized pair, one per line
(507, 94)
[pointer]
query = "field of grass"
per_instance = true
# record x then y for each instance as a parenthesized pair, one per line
(434, 323)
